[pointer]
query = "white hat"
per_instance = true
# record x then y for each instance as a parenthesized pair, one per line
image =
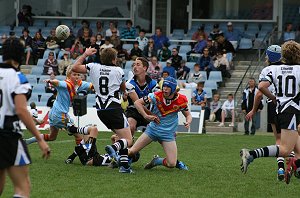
(229, 24)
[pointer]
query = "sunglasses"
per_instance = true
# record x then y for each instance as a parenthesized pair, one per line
(114, 32)
(150, 42)
(174, 51)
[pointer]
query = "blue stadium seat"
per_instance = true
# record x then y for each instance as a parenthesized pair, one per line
(66, 22)
(33, 30)
(91, 100)
(204, 76)
(61, 54)
(39, 89)
(215, 76)
(210, 85)
(61, 78)
(190, 65)
(208, 93)
(266, 27)
(42, 78)
(195, 108)
(185, 48)
(53, 23)
(40, 62)
(245, 43)
(45, 97)
(183, 55)
(31, 79)
(178, 34)
(127, 46)
(33, 98)
(128, 64)
(41, 103)
(39, 23)
(37, 70)
(253, 27)
(46, 53)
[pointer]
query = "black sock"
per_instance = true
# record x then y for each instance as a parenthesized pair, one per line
(280, 162)
(297, 163)
(268, 151)
(120, 144)
(91, 140)
(177, 164)
(124, 158)
(73, 156)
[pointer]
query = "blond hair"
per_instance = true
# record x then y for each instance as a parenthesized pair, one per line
(69, 71)
(108, 56)
(290, 52)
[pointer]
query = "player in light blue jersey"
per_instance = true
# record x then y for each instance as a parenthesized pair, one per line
(163, 123)
(58, 116)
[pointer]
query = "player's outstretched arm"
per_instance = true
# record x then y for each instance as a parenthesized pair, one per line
(25, 117)
(52, 82)
(258, 97)
(188, 118)
(78, 66)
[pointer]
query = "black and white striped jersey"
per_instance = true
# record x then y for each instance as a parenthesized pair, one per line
(12, 83)
(286, 80)
(106, 81)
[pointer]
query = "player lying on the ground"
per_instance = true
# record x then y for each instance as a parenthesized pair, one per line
(58, 116)
(163, 124)
(286, 79)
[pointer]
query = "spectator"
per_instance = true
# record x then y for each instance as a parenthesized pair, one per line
(49, 88)
(199, 96)
(142, 39)
(112, 26)
(175, 58)
(3, 39)
(85, 38)
(150, 49)
(68, 43)
(106, 44)
(128, 32)
(288, 34)
(52, 99)
(216, 32)
(194, 77)
(182, 71)
(164, 54)
(160, 40)
(35, 114)
(52, 42)
(225, 45)
(38, 45)
(77, 49)
(115, 39)
(99, 40)
(135, 51)
(200, 32)
(95, 57)
(215, 109)
(170, 69)
(99, 29)
(154, 69)
(247, 105)
(25, 16)
(227, 111)
(50, 65)
(206, 62)
(222, 64)
(234, 35)
(200, 45)
(28, 44)
(63, 65)
(212, 50)
(122, 55)
(85, 26)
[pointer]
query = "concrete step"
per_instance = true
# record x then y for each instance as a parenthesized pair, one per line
(242, 63)
(219, 129)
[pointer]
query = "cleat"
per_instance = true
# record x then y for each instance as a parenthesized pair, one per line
(182, 166)
(246, 160)
(68, 161)
(114, 163)
(151, 164)
(289, 170)
(221, 125)
(111, 152)
(280, 174)
(125, 170)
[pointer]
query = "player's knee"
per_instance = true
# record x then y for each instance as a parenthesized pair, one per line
(171, 163)
(285, 152)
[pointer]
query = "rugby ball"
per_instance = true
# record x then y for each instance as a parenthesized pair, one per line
(62, 32)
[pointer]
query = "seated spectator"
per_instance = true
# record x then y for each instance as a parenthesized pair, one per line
(50, 65)
(142, 39)
(160, 40)
(170, 69)
(99, 40)
(164, 54)
(28, 44)
(25, 16)
(112, 26)
(77, 49)
(175, 58)
(135, 51)
(52, 99)
(106, 44)
(85, 38)
(85, 25)
(182, 71)
(3, 39)
(194, 77)
(212, 50)
(68, 43)
(164, 75)
(63, 65)
(206, 62)
(215, 109)
(128, 32)
(215, 32)
(99, 29)
(200, 32)
(115, 39)
(234, 35)
(52, 42)
(155, 68)
(38, 45)
(150, 49)
(122, 56)
(95, 58)
(200, 45)
(225, 45)
(227, 111)
(49, 88)
(288, 34)
(222, 64)
(199, 96)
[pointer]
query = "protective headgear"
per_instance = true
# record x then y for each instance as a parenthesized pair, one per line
(170, 82)
(274, 53)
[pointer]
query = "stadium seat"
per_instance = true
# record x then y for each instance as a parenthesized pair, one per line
(127, 46)
(39, 89)
(190, 65)
(39, 23)
(31, 79)
(128, 64)
(91, 100)
(66, 22)
(215, 76)
(61, 78)
(210, 85)
(253, 27)
(53, 23)
(185, 48)
(42, 78)
(266, 27)
(46, 53)
(208, 93)
(61, 54)
(40, 62)
(172, 46)
(178, 34)
(245, 43)
(37, 71)
(45, 97)
(41, 103)
(183, 55)
(195, 108)
(204, 76)
(33, 98)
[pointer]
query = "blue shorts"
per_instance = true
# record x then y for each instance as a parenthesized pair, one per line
(60, 120)
(160, 136)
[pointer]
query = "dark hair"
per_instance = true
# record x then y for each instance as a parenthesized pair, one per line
(158, 28)
(135, 42)
(144, 61)
(230, 95)
(85, 21)
(200, 83)
(143, 30)
(13, 49)
(128, 22)
(25, 30)
(107, 38)
(108, 55)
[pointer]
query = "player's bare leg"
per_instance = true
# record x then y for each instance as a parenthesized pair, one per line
(20, 178)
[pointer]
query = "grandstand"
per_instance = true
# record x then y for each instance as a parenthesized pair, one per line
(257, 29)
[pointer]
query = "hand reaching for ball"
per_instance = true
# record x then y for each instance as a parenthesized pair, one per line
(90, 51)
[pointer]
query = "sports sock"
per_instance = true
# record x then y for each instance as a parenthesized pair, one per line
(292, 154)
(177, 164)
(17, 196)
(120, 144)
(280, 162)
(33, 139)
(268, 151)
(124, 158)
(73, 156)
(83, 130)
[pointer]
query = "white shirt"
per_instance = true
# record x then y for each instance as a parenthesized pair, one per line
(142, 42)
(227, 105)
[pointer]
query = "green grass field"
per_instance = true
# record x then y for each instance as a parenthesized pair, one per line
(213, 161)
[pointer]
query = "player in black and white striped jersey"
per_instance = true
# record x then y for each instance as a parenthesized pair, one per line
(286, 80)
(14, 92)
(108, 79)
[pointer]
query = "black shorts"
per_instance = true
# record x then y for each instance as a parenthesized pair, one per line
(13, 151)
(288, 121)
(113, 118)
(271, 113)
(133, 113)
